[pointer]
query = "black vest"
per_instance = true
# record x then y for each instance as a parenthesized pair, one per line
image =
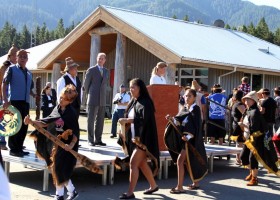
(77, 102)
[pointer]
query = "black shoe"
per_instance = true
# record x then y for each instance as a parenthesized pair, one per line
(125, 196)
(72, 195)
(25, 153)
(16, 154)
(100, 143)
(113, 136)
(151, 191)
(91, 144)
(56, 197)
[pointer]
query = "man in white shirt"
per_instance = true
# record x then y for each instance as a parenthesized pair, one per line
(158, 74)
(71, 77)
(120, 100)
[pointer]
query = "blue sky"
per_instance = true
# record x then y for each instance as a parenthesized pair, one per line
(274, 3)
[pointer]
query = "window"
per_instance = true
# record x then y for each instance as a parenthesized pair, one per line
(187, 75)
(255, 80)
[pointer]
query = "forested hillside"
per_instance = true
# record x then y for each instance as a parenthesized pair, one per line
(52, 19)
(233, 12)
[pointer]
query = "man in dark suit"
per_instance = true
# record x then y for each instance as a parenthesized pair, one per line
(95, 86)
(53, 92)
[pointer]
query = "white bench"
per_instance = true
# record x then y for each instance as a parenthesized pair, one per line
(211, 152)
(219, 150)
(117, 151)
(31, 160)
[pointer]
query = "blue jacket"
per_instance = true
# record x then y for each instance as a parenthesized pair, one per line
(20, 83)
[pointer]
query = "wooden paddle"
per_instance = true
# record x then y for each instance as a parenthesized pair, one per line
(85, 161)
(191, 147)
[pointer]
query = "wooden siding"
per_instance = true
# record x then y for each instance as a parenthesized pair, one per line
(227, 82)
(139, 62)
(270, 82)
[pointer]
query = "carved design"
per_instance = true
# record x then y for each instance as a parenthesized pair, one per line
(85, 161)
(38, 97)
(190, 146)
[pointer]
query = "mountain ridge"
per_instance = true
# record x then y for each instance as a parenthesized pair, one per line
(233, 12)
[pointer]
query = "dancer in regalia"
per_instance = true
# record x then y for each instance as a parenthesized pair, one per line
(141, 127)
(60, 160)
(258, 146)
(183, 132)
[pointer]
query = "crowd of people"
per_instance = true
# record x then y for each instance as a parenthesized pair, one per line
(255, 120)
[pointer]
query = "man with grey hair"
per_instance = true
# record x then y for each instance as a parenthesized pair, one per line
(95, 86)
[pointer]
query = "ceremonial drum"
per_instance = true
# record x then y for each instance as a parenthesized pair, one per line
(10, 121)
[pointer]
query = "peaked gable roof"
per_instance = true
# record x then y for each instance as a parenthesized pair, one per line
(37, 53)
(177, 41)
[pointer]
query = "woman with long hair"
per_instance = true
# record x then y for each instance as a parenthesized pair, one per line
(188, 122)
(141, 126)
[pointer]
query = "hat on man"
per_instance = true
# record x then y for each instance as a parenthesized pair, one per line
(217, 88)
(22, 52)
(122, 86)
(195, 86)
(161, 65)
(13, 50)
(251, 95)
(69, 64)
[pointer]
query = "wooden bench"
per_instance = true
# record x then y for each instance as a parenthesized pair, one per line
(104, 161)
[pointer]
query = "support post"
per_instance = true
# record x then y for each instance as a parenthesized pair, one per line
(95, 47)
(170, 74)
(119, 74)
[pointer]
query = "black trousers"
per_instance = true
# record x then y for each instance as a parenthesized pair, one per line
(16, 141)
(1, 160)
(248, 158)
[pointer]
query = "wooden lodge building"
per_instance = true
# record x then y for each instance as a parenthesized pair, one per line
(134, 42)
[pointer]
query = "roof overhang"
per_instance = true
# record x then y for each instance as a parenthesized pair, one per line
(228, 66)
(70, 39)
(101, 14)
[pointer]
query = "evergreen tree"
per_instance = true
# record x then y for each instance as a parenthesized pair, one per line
(251, 29)
(7, 36)
(186, 18)
(59, 31)
(277, 37)
(174, 16)
(42, 34)
(244, 29)
(25, 38)
(227, 26)
(70, 28)
(262, 31)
